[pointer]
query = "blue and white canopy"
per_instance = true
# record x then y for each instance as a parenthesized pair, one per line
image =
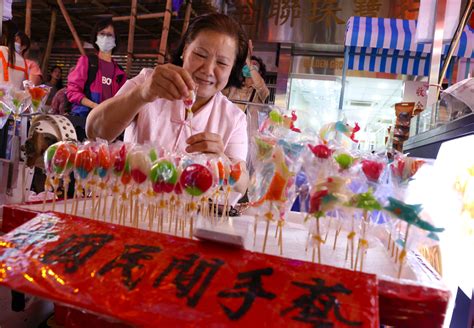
(387, 45)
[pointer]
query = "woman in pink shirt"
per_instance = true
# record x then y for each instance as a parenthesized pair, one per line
(151, 109)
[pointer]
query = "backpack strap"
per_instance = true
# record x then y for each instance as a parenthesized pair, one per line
(120, 77)
(91, 73)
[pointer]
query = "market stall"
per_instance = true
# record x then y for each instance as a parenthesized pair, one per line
(152, 236)
(141, 202)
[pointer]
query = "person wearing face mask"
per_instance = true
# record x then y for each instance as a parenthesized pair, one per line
(13, 66)
(150, 107)
(96, 78)
(55, 81)
(254, 89)
(22, 45)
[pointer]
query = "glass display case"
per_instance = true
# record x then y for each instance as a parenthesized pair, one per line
(449, 108)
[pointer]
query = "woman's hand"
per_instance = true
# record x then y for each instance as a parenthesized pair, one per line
(205, 142)
(169, 82)
(249, 54)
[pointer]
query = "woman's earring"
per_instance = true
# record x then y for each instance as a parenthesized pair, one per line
(181, 57)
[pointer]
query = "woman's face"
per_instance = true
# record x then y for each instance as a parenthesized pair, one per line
(56, 73)
(108, 31)
(18, 40)
(209, 59)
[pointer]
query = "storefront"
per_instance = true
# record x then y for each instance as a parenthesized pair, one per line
(309, 40)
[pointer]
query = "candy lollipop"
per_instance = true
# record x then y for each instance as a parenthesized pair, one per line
(276, 191)
(4, 113)
(323, 198)
(60, 163)
(220, 168)
(48, 168)
(5, 99)
(329, 130)
(403, 168)
(69, 168)
(38, 94)
(104, 164)
(321, 151)
(175, 204)
(229, 174)
(275, 119)
(196, 180)
(372, 169)
(163, 177)
(84, 166)
(367, 203)
(16, 102)
(126, 179)
(344, 161)
(118, 156)
(410, 214)
(188, 104)
(139, 169)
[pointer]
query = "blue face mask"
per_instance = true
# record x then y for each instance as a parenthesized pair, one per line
(246, 71)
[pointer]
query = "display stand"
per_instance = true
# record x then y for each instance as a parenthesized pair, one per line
(420, 297)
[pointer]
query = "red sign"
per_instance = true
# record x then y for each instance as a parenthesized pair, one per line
(149, 279)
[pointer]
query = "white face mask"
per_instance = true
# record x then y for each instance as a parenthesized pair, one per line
(18, 47)
(105, 43)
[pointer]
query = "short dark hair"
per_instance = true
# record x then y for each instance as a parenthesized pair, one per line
(262, 68)
(9, 30)
(99, 26)
(222, 24)
(25, 42)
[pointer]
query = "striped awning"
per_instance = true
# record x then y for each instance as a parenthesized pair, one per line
(387, 45)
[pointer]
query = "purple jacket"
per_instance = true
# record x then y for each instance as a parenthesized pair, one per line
(78, 78)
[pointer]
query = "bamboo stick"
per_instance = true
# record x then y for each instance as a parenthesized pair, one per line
(71, 27)
(49, 46)
(131, 35)
(187, 16)
(142, 16)
(29, 4)
(164, 33)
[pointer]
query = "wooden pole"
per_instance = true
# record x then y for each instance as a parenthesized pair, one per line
(131, 35)
(28, 18)
(164, 33)
(145, 56)
(71, 27)
(49, 46)
(187, 16)
(143, 16)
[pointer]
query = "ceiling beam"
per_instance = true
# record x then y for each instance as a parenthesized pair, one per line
(174, 29)
(113, 12)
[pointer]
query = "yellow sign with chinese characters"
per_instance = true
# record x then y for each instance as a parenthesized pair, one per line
(312, 21)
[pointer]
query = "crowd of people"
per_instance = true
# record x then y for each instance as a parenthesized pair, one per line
(97, 77)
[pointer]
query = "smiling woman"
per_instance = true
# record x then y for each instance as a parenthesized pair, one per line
(150, 106)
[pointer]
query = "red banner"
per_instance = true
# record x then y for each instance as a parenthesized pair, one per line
(148, 279)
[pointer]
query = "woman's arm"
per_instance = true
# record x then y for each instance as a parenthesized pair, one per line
(88, 103)
(108, 119)
(77, 80)
(112, 116)
(259, 85)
